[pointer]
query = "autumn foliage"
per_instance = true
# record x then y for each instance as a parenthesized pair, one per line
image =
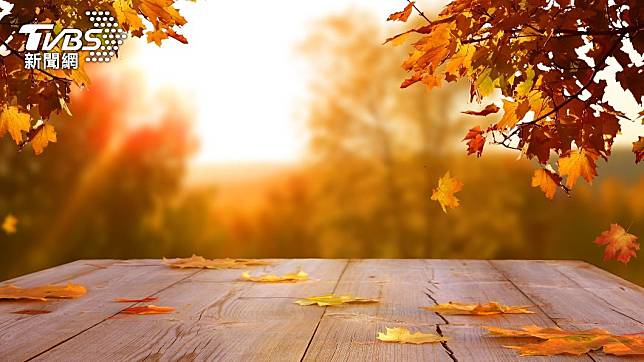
(544, 58)
(28, 97)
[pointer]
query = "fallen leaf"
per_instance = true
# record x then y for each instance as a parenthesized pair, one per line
(9, 224)
(620, 245)
(332, 299)
(31, 311)
(489, 109)
(403, 335)
(444, 194)
(558, 341)
(272, 278)
(402, 15)
(42, 292)
(542, 333)
(203, 263)
(142, 300)
(477, 309)
(147, 309)
(547, 181)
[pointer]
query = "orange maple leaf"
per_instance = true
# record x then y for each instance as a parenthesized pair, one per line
(402, 15)
(579, 163)
(42, 292)
(620, 245)
(444, 194)
(475, 141)
(148, 309)
(547, 181)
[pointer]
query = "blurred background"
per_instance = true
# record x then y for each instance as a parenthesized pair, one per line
(281, 131)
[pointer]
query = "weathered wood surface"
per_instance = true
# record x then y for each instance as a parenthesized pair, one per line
(220, 317)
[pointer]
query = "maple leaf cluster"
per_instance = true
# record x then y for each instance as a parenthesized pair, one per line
(554, 110)
(28, 97)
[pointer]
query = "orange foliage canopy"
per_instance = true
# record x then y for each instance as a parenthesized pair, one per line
(553, 100)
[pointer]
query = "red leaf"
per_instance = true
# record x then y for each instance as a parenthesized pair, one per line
(620, 245)
(475, 141)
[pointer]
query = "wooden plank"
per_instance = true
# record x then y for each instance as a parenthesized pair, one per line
(564, 300)
(347, 333)
(481, 282)
(27, 336)
(560, 297)
(218, 317)
(61, 274)
(472, 344)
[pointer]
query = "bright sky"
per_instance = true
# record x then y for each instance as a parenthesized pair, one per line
(242, 73)
(243, 76)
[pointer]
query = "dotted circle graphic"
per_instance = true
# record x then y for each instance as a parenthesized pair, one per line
(112, 36)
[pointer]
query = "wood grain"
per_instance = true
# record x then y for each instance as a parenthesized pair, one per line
(219, 316)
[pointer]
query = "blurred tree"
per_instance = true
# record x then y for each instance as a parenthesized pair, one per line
(91, 196)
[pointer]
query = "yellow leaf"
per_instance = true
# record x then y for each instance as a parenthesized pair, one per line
(42, 292)
(9, 224)
(45, 134)
(272, 278)
(509, 118)
(332, 299)
(444, 194)
(14, 121)
(477, 309)
(547, 181)
(203, 263)
(558, 341)
(458, 64)
(127, 16)
(403, 335)
(578, 163)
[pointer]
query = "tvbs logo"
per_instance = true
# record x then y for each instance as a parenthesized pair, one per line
(99, 44)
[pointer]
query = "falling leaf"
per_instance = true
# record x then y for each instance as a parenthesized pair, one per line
(444, 194)
(475, 141)
(489, 109)
(46, 133)
(332, 299)
(14, 121)
(402, 15)
(203, 263)
(620, 245)
(557, 341)
(31, 311)
(579, 163)
(403, 335)
(9, 224)
(142, 300)
(477, 309)
(272, 278)
(148, 309)
(547, 181)
(42, 292)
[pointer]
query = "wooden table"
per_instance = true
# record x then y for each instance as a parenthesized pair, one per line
(220, 317)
